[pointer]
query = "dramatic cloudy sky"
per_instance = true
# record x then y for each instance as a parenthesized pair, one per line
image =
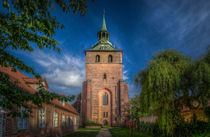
(139, 27)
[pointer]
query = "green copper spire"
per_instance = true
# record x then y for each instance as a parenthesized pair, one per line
(103, 33)
(103, 38)
(103, 27)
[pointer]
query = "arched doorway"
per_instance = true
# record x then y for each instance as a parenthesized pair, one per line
(104, 115)
(105, 123)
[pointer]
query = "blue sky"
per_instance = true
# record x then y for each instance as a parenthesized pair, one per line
(139, 27)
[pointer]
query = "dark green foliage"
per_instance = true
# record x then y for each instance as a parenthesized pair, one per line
(91, 123)
(207, 112)
(160, 81)
(24, 23)
(183, 130)
(150, 128)
(169, 81)
(30, 21)
(188, 130)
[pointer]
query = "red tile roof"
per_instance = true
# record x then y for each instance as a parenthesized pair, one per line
(17, 76)
(31, 80)
(23, 80)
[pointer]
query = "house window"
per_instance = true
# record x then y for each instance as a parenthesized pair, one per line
(67, 121)
(42, 116)
(105, 99)
(97, 58)
(23, 122)
(63, 103)
(2, 122)
(71, 121)
(55, 122)
(75, 121)
(110, 58)
(63, 120)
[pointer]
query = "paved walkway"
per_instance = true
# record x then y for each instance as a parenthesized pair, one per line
(104, 132)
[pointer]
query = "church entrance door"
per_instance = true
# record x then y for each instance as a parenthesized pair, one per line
(104, 111)
(105, 123)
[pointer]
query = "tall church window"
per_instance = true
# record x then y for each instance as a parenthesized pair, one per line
(110, 58)
(105, 99)
(97, 58)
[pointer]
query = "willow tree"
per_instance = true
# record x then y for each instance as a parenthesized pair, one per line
(161, 87)
(199, 81)
(22, 23)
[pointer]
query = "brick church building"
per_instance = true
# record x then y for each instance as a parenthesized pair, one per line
(104, 91)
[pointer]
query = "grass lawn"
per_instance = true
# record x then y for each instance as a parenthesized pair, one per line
(124, 132)
(85, 132)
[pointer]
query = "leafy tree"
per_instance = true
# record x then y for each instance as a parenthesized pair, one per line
(199, 80)
(135, 107)
(160, 83)
(171, 80)
(22, 23)
(131, 111)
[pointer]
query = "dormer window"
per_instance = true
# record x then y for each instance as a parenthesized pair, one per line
(62, 102)
(97, 58)
(110, 58)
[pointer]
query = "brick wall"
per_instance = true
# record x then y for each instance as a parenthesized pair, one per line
(97, 84)
(34, 130)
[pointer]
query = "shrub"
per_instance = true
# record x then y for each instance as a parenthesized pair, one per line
(91, 123)
(207, 112)
(197, 128)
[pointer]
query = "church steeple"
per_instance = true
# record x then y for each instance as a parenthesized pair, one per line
(103, 42)
(103, 27)
(103, 33)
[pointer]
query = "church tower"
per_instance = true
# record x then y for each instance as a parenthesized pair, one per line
(105, 93)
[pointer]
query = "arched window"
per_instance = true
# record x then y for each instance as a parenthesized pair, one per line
(97, 58)
(104, 75)
(110, 58)
(105, 99)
